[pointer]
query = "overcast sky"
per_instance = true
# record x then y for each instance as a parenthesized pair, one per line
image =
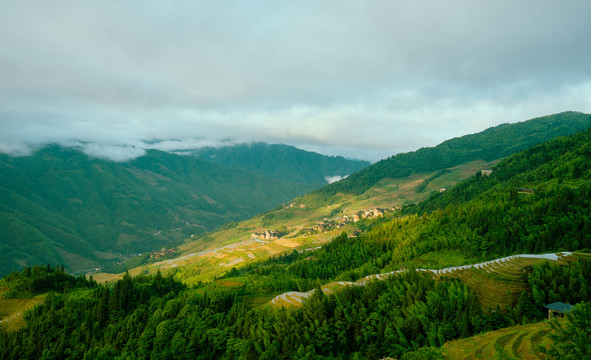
(362, 79)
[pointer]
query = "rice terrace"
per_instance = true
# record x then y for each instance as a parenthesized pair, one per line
(496, 282)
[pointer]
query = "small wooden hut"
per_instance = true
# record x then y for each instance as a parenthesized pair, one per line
(557, 308)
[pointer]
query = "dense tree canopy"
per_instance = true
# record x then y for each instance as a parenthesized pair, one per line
(407, 316)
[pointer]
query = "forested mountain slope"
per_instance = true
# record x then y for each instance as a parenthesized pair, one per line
(307, 224)
(62, 206)
(535, 201)
(282, 162)
(494, 143)
(149, 317)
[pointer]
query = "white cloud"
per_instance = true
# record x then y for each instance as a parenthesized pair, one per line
(335, 178)
(115, 152)
(360, 79)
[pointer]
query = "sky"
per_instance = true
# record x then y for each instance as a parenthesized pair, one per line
(361, 79)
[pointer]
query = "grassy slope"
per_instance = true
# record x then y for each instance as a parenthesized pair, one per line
(517, 342)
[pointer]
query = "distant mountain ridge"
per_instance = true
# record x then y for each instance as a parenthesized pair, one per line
(60, 205)
(282, 162)
(493, 143)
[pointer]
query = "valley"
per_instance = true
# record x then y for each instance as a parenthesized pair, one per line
(60, 205)
(305, 228)
(442, 262)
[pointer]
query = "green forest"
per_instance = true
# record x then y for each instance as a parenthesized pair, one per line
(62, 206)
(535, 201)
(158, 317)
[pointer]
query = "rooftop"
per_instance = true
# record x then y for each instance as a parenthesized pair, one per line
(559, 306)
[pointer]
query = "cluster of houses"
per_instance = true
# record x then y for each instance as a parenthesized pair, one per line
(163, 254)
(338, 223)
(267, 235)
(368, 214)
(292, 205)
(326, 225)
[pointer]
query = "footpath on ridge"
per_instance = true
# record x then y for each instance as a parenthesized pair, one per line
(295, 298)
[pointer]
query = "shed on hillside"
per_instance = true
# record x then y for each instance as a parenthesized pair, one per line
(557, 308)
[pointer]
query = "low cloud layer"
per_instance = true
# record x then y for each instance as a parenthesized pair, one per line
(360, 79)
(335, 178)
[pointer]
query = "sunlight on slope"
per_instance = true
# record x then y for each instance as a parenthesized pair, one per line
(496, 282)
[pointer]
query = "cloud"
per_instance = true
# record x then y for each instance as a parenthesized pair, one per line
(115, 152)
(335, 178)
(360, 79)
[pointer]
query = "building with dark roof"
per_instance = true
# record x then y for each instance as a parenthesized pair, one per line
(557, 308)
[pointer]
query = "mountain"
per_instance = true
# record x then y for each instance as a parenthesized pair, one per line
(534, 201)
(494, 143)
(314, 219)
(61, 206)
(304, 224)
(282, 162)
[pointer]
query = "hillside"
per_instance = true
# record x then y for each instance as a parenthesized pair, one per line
(495, 282)
(282, 162)
(61, 206)
(308, 225)
(323, 210)
(155, 316)
(479, 219)
(533, 202)
(492, 144)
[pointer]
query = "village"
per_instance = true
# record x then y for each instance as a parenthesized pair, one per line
(327, 224)
(164, 254)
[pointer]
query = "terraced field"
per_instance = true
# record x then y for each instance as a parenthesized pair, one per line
(13, 310)
(500, 282)
(496, 282)
(205, 265)
(517, 342)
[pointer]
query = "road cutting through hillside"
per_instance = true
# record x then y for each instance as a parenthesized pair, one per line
(295, 298)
